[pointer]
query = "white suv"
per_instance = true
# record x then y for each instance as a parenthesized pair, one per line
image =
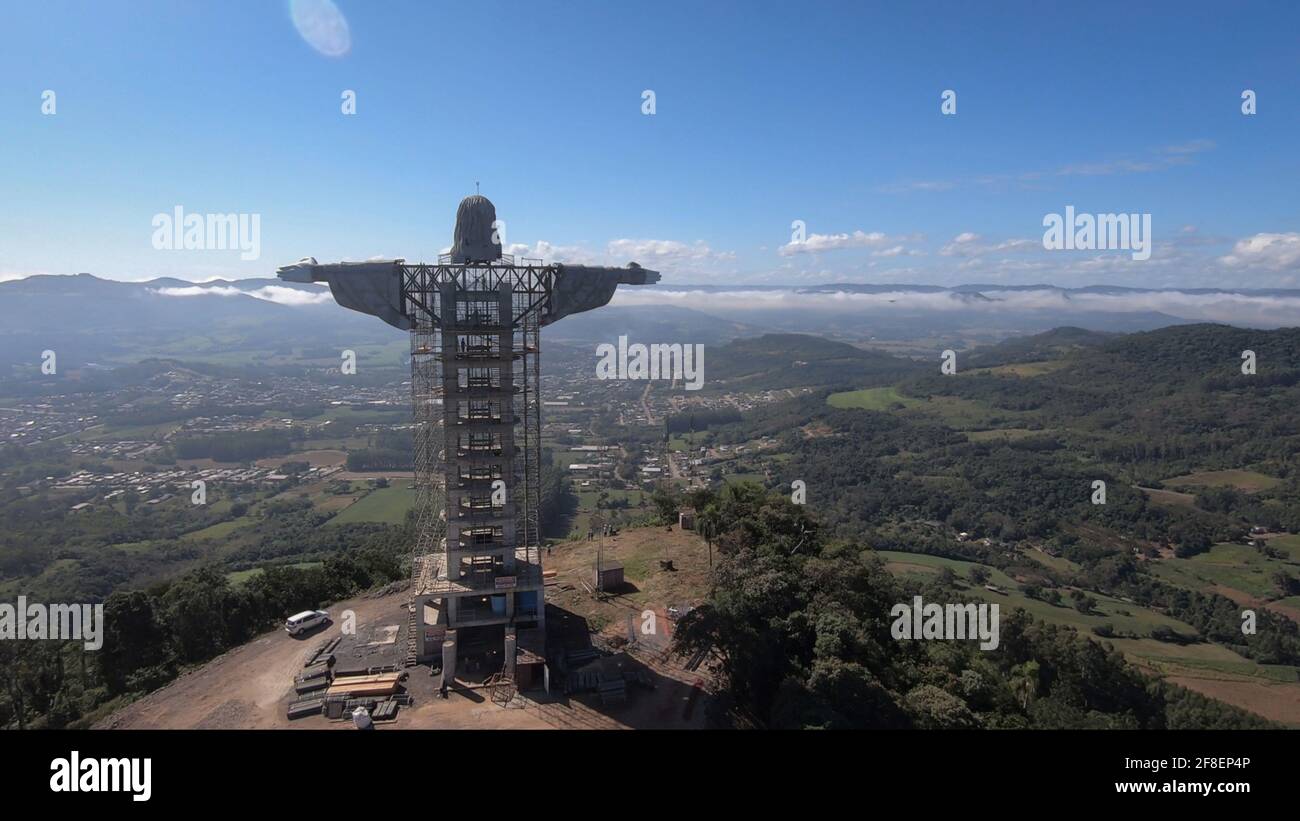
(305, 621)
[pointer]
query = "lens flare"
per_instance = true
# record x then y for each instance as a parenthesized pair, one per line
(322, 25)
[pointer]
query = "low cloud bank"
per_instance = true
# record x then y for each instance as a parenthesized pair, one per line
(1219, 306)
(269, 293)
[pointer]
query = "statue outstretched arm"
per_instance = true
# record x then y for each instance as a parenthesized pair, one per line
(373, 288)
(581, 288)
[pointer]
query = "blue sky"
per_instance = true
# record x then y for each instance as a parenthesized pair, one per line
(766, 113)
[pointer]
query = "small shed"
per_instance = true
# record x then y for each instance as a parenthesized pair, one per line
(686, 519)
(609, 576)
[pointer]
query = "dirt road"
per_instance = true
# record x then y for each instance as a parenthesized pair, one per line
(248, 686)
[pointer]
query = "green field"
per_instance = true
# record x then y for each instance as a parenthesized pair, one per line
(1245, 480)
(1239, 567)
(1024, 369)
(1169, 497)
(877, 399)
(1123, 616)
(580, 519)
(386, 505)
(686, 441)
(382, 415)
(238, 577)
(1200, 665)
(135, 547)
(135, 432)
(1205, 657)
(1060, 563)
(217, 531)
(1289, 543)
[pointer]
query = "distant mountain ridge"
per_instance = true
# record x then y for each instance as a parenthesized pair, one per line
(90, 318)
(973, 287)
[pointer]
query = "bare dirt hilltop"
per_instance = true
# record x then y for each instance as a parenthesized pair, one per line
(251, 686)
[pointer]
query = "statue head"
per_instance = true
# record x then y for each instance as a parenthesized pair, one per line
(473, 240)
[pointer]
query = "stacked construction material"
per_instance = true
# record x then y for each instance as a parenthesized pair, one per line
(311, 684)
(341, 707)
(308, 707)
(384, 711)
(324, 654)
(312, 679)
(379, 684)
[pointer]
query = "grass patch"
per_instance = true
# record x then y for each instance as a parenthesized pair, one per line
(877, 399)
(238, 577)
(1234, 566)
(1024, 369)
(385, 505)
(220, 530)
(1244, 480)
(1123, 616)
(1169, 498)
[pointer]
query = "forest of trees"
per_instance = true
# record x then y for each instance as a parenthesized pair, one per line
(1122, 410)
(800, 623)
(153, 634)
(386, 450)
(558, 501)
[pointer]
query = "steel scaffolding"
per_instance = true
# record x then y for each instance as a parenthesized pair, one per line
(476, 393)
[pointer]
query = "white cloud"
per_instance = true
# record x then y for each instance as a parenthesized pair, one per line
(1241, 309)
(666, 250)
(278, 294)
(543, 250)
(967, 244)
(664, 255)
(816, 243)
(1275, 252)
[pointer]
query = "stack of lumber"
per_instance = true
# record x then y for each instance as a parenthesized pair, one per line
(379, 684)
